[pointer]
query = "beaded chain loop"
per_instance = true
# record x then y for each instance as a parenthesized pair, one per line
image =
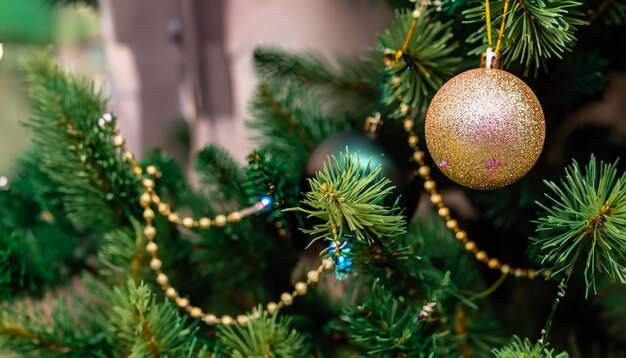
(149, 199)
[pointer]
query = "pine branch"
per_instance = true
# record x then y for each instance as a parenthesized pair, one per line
(27, 330)
(350, 89)
(582, 74)
(525, 348)
(386, 326)
(123, 256)
(535, 30)
(433, 240)
(265, 177)
(426, 63)
(145, 328)
(427, 262)
(397, 265)
(173, 186)
(612, 12)
(290, 127)
(473, 322)
(250, 242)
(347, 195)
(96, 185)
(221, 175)
(244, 265)
(38, 246)
(611, 298)
(264, 336)
(249, 254)
(586, 218)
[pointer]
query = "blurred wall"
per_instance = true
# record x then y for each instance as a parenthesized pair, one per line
(329, 27)
(208, 65)
(145, 70)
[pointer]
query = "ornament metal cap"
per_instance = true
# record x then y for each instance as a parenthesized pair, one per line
(490, 59)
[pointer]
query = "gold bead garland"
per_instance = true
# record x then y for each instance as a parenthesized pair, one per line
(149, 198)
(451, 224)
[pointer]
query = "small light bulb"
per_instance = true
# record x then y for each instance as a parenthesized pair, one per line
(1, 51)
(266, 201)
(4, 183)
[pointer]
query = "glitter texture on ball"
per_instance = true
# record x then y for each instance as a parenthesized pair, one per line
(485, 129)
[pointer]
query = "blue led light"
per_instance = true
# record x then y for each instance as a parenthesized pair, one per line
(340, 256)
(266, 201)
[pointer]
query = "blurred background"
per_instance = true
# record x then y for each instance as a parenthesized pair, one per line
(178, 73)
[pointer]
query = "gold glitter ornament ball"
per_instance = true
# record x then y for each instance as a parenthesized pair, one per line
(485, 128)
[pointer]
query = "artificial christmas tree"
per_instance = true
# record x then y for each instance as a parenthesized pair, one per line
(142, 264)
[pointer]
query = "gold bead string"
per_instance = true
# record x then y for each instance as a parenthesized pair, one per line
(149, 198)
(444, 212)
(164, 209)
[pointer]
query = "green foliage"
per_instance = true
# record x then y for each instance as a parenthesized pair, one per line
(29, 263)
(265, 177)
(51, 330)
(427, 263)
(95, 185)
(615, 14)
(247, 244)
(75, 194)
(533, 34)
(352, 88)
(400, 264)
(519, 348)
(439, 245)
(220, 175)
(12, 270)
(173, 186)
(144, 328)
(92, 3)
(587, 217)
(386, 326)
(236, 255)
(123, 256)
(234, 259)
(473, 321)
(263, 337)
(38, 248)
(348, 196)
(586, 72)
(611, 298)
(426, 64)
(291, 127)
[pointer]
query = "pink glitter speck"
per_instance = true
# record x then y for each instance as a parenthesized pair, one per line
(493, 164)
(444, 165)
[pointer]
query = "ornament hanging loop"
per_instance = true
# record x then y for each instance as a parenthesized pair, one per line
(373, 124)
(490, 59)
